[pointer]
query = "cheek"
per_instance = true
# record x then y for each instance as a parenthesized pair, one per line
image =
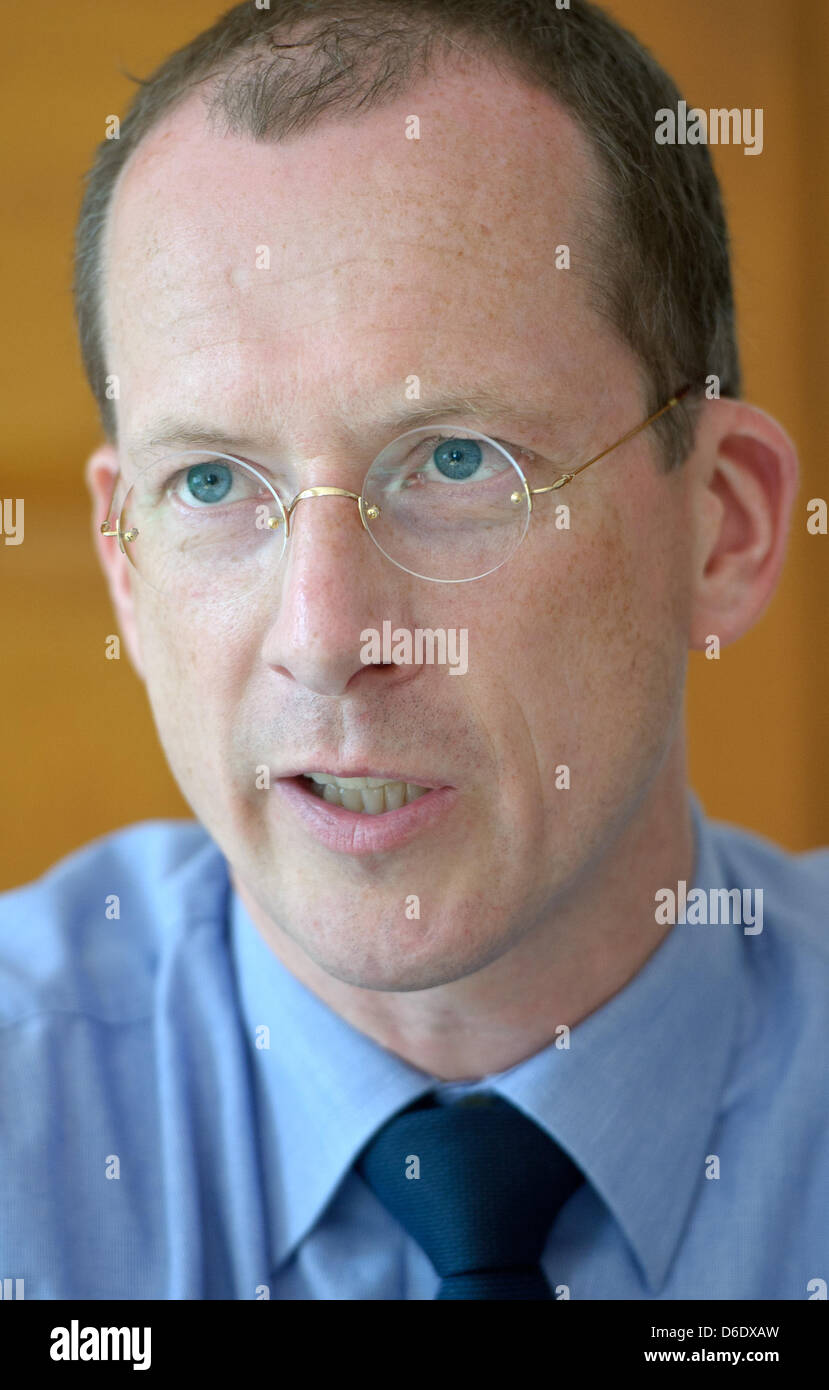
(598, 653)
(195, 669)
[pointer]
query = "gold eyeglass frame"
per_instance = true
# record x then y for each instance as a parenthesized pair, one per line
(372, 512)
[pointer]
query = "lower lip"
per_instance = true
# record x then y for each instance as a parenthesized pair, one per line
(357, 832)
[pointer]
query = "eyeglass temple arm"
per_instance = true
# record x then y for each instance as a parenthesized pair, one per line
(106, 529)
(568, 477)
(105, 525)
(340, 492)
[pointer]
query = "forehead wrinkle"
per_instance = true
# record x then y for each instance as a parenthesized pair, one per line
(509, 203)
(171, 430)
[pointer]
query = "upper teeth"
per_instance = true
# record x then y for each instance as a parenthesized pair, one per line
(371, 794)
(329, 780)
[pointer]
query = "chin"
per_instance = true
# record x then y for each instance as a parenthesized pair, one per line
(399, 956)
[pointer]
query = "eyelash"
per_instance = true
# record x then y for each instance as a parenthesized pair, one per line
(524, 457)
(516, 451)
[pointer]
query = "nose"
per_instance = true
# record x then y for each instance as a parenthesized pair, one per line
(333, 584)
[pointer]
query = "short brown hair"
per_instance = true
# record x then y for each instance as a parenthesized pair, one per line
(663, 278)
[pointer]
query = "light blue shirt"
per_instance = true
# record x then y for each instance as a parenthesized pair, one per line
(152, 1145)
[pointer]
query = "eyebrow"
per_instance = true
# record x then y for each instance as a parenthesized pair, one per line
(177, 432)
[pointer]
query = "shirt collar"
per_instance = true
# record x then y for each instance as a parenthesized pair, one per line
(323, 1088)
(639, 1129)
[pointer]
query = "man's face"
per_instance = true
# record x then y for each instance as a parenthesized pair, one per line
(391, 258)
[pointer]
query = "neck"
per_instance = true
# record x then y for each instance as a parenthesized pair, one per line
(584, 951)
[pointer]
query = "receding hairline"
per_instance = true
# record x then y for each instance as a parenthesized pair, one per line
(590, 195)
(665, 287)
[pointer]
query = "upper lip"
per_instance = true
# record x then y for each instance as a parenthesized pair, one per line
(362, 770)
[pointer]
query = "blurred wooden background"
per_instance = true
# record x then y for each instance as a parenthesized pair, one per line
(79, 751)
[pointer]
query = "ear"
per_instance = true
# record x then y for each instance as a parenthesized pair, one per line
(744, 480)
(102, 469)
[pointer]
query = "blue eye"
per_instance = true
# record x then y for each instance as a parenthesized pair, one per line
(209, 482)
(458, 458)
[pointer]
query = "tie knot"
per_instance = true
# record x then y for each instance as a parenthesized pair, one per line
(478, 1186)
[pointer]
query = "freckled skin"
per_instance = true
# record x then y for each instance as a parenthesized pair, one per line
(435, 257)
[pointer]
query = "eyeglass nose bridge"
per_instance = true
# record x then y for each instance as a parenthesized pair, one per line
(366, 513)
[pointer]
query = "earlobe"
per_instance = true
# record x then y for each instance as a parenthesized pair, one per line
(745, 479)
(102, 472)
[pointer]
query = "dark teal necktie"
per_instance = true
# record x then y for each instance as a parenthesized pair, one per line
(490, 1185)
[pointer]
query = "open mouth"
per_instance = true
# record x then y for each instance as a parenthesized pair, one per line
(362, 815)
(371, 796)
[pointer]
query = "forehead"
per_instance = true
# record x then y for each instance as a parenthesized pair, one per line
(352, 255)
